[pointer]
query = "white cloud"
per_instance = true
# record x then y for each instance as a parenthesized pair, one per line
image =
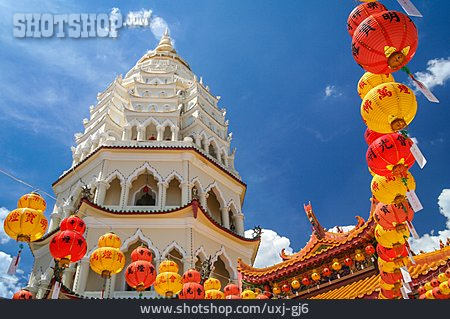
(158, 25)
(332, 91)
(345, 229)
(430, 242)
(3, 237)
(437, 72)
(143, 19)
(8, 284)
(270, 248)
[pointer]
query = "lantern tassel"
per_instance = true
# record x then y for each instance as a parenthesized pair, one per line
(410, 8)
(421, 87)
(15, 262)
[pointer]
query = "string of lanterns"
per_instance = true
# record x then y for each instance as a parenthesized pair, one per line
(384, 41)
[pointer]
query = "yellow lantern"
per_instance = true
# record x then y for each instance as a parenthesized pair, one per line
(248, 294)
(442, 277)
(25, 224)
(391, 189)
(108, 260)
(276, 290)
(109, 240)
(370, 80)
(428, 286)
(32, 200)
(212, 284)
(429, 294)
(359, 256)
(390, 238)
(315, 275)
(295, 284)
(389, 107)
(336, 265)
(387, 286)
(214, 294)
(168, 282)
(444, 287)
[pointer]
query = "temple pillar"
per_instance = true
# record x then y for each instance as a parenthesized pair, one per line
(126, 194)
(203, 200)
(81, 276)
(126, 134)
(159, 133)
(198, 141)
(67, 277)
(43, 287)
(225, 217)
(175, 131)
(68, 210)
(140, 133)
(55, 220)
(185, 190)
(238, 220)
(102, 186)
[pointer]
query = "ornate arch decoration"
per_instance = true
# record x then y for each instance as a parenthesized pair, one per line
(134, 122)
(213, 186)
(139, 235)
(113, 175)
(171, 246)
(168, 122)
(172, 175)
(149, 121)
(144, 168)
(232, 207)
(196, 182)
(226, 260)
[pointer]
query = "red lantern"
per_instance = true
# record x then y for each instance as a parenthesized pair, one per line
(390, 154)
(438, 294)
(233, 297)
(142, 253)
(370, 250)
(391, 254)
(73, 223)
(140, 275)
(370, 136)
(421, 290)
(192, 290)
(391, 277)
(384, 42)
(67, 246)
(326, 272)
(285, 288)
(348, 261)
(192, 275)
(360, 13)
(232, 289)
(391, 294)
(23, 294)
(447, 272)
(306, 281)
(262, 296)
(393, 215)
(434, 282)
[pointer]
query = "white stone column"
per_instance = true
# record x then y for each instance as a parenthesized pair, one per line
(198, 141)
(126, 135)
(67, 277)
(126, 194)
(43, 287)
(100, 194)
(55, 220)
(140, 133)
(202, 196)
(81, 276)
(185, 190)
(174, 130)
(159, 133)
(238, 220)
(162, 191)
(225, 217)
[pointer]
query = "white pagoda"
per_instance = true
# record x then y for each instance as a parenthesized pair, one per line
(155, 141)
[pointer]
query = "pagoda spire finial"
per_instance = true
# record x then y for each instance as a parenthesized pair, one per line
(165, 44)
(316, 227)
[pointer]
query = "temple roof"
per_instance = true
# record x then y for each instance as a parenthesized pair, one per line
(317, 249)
(165, 44)
(425, 264)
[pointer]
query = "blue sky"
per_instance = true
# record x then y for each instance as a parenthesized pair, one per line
(285, 73)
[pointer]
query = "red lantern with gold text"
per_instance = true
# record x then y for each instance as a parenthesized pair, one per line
(391, 277)
(67, 246)
(23, 294)
(192, 289)
(141, 273)
(391, 254)
(73, 223)
(384, 42)
(390, 154)
(360, 13)
(393, 215)
(370, 136)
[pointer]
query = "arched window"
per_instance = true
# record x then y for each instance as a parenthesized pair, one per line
(173, 194)
(150, 132)
(143, 190)
(212, 151)
(232, 226)
(214, 206)
(220, 272)
(112, 197)
(167, 134)
(133, 133)
(145, 197)
(176, 256)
